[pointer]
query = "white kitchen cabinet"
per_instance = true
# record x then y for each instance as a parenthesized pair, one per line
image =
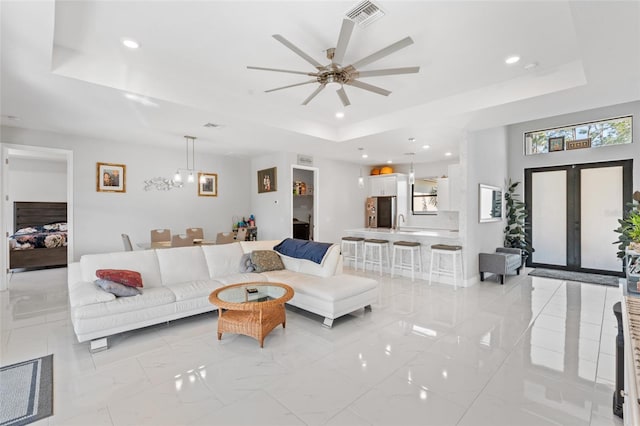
(444, 195)
(383, 186)
(449, 191)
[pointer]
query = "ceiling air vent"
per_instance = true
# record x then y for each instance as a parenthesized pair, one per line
(364, 13)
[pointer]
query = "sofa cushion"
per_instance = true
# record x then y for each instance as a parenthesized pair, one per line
(249, 246)
(117, 289)
(151, 297)
(121, 276)
(241, 278)
(331, 289)
(86, 293)
(193, 289)
(143, 261)
(266, 260)
(182, 264)
(326, 269)
(222, 259)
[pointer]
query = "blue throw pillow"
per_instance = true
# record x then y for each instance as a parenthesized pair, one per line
(303, 249)
(117, 289)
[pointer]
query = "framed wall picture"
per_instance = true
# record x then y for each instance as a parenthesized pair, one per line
(111, 177)
(579, 144)
(268, 180)
(207, 184)
(556, 144)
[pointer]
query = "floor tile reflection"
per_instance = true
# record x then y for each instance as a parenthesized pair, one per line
(533, 351)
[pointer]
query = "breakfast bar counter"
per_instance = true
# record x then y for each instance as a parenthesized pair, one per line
(426, 238)
(403, 232)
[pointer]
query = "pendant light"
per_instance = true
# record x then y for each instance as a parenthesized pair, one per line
(412, 175)
(361, 180)
(191, 167)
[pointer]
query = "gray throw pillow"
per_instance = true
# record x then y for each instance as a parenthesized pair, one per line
(266, 260)
(245, 264)
(117, 289)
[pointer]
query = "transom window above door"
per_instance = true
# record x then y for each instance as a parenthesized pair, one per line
(594, 134)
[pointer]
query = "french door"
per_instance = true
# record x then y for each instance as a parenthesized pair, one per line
(573, 211)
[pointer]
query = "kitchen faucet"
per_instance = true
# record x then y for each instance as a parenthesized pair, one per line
(400, 215)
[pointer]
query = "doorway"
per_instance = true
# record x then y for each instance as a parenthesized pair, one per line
(573, 211)
(304, 204)
(27, 175)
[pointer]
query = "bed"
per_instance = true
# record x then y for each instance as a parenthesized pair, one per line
(40, 237)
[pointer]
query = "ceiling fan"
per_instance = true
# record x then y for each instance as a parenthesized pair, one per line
(336, 75)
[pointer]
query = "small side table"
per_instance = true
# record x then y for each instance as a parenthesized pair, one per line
(252, 309)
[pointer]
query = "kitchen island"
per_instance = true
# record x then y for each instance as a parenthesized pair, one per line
(426, 238)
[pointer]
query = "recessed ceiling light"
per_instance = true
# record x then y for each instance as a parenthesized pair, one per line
(426, 146)
(389, 161)
(365, 156)
(339, 114)
(512, 60)
(531, 66)
(131, 44)
(448, 154)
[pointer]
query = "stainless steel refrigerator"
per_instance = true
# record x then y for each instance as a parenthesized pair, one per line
(380, 212)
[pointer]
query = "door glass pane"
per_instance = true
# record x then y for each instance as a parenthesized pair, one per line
(549, 217)
(600, 208)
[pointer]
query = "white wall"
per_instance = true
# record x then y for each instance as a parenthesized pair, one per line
(36, 180)
(340, 200)
(484, 160)
(518, 162)
(101, 217)
(272, 210)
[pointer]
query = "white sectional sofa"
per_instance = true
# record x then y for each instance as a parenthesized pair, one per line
(178, 281)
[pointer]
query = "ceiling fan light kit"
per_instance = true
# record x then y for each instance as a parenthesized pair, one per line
(335, 76)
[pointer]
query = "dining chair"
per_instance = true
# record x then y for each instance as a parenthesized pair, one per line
(127, 242)
(242, 234)
(181, 241)
(225, 238)
(158, 235)
(195, 233)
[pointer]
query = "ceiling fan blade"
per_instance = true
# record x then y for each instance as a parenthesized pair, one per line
(343, 41)
(369, 87)
(343, 96)
(313, 95)
(388, 71)
(313, 74)
(298, 51)
(291, 85)
(407, 41)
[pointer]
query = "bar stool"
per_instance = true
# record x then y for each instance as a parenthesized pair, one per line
(440, 250)
(357, 243)
(370, 247)
(402, 247)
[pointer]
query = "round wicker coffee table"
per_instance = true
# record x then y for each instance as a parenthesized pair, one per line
(252, 309)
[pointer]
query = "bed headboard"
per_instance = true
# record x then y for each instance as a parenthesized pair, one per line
(34, 213)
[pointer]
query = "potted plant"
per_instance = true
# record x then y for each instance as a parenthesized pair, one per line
(629, 228)
(515, 234)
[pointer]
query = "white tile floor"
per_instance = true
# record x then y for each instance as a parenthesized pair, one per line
(535, 351)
